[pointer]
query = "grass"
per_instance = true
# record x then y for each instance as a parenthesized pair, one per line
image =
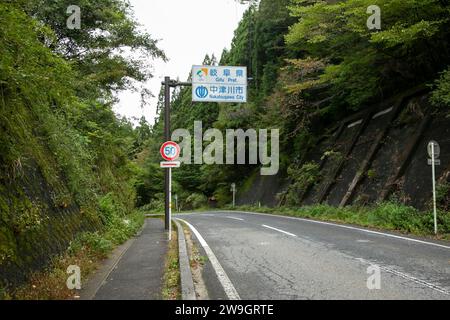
(171, 289)
(196, 260)
(86, 251)
(387, 216)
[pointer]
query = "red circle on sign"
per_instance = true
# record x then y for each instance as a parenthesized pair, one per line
(170, 151)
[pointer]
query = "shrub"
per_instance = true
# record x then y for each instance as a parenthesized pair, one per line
(196, 201)
(302, 178)
(441, 95)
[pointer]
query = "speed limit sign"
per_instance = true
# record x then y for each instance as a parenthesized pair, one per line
(170, 151)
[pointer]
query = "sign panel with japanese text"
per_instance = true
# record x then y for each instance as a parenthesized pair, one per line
(219, 84)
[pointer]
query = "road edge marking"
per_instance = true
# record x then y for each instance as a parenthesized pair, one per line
(279, 230)
(406, 276)
(224, 280)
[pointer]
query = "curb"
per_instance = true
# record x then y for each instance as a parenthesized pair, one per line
(150, 215)
(187, 284)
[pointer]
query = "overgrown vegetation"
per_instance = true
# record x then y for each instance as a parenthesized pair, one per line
(441, 94)
(171, 289)
(66, 160)
(443, 196)
(302, 179)
(85, 251)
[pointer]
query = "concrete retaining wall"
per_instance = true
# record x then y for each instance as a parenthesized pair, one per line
(379, 153)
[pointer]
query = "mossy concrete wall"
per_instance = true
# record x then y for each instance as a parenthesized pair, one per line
(376, 155)
(37, 222)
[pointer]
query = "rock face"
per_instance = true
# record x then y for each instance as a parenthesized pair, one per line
(378, 154)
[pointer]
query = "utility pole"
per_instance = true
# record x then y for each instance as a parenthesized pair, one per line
(168, 83)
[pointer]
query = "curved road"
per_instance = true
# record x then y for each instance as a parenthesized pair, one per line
(274, 257)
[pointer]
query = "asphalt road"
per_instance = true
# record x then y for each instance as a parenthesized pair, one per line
(267, 257)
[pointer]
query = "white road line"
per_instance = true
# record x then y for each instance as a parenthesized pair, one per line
(348, 227)
(285, 232)
(234, 218)
(230, 290)
(407, 277)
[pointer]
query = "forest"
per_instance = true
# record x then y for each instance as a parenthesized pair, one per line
(311, 64)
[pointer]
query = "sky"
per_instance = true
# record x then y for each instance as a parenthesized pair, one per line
(187, 30)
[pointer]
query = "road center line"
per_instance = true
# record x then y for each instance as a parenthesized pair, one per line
(225, 281)
(285, 232)
(234, 218)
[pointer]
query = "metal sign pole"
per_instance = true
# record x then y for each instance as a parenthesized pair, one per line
(167, 137)
(170, 203)
(167, 85)
(433, 170)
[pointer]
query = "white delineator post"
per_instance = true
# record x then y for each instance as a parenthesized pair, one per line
(433, 170)
(233, 189)
(234, 198)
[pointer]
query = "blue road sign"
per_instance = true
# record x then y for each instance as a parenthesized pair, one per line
(219, 84)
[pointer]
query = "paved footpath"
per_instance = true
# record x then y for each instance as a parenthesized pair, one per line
(139, 273)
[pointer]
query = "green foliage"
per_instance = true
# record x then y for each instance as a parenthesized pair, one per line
(110, 209)
(100, 243)
(108, 29)
(363, 64)
(195, 201)
(149, 183)
(95, 242)
(65, 158)
(443, 196)
(441, 93)
(371, 174)
(332, 155)
(28, 217)
(301, 178)
(397, 217)
(157, 205)
(387, 215)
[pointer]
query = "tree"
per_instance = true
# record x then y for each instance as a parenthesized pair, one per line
(363, 65)
(108, 31)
